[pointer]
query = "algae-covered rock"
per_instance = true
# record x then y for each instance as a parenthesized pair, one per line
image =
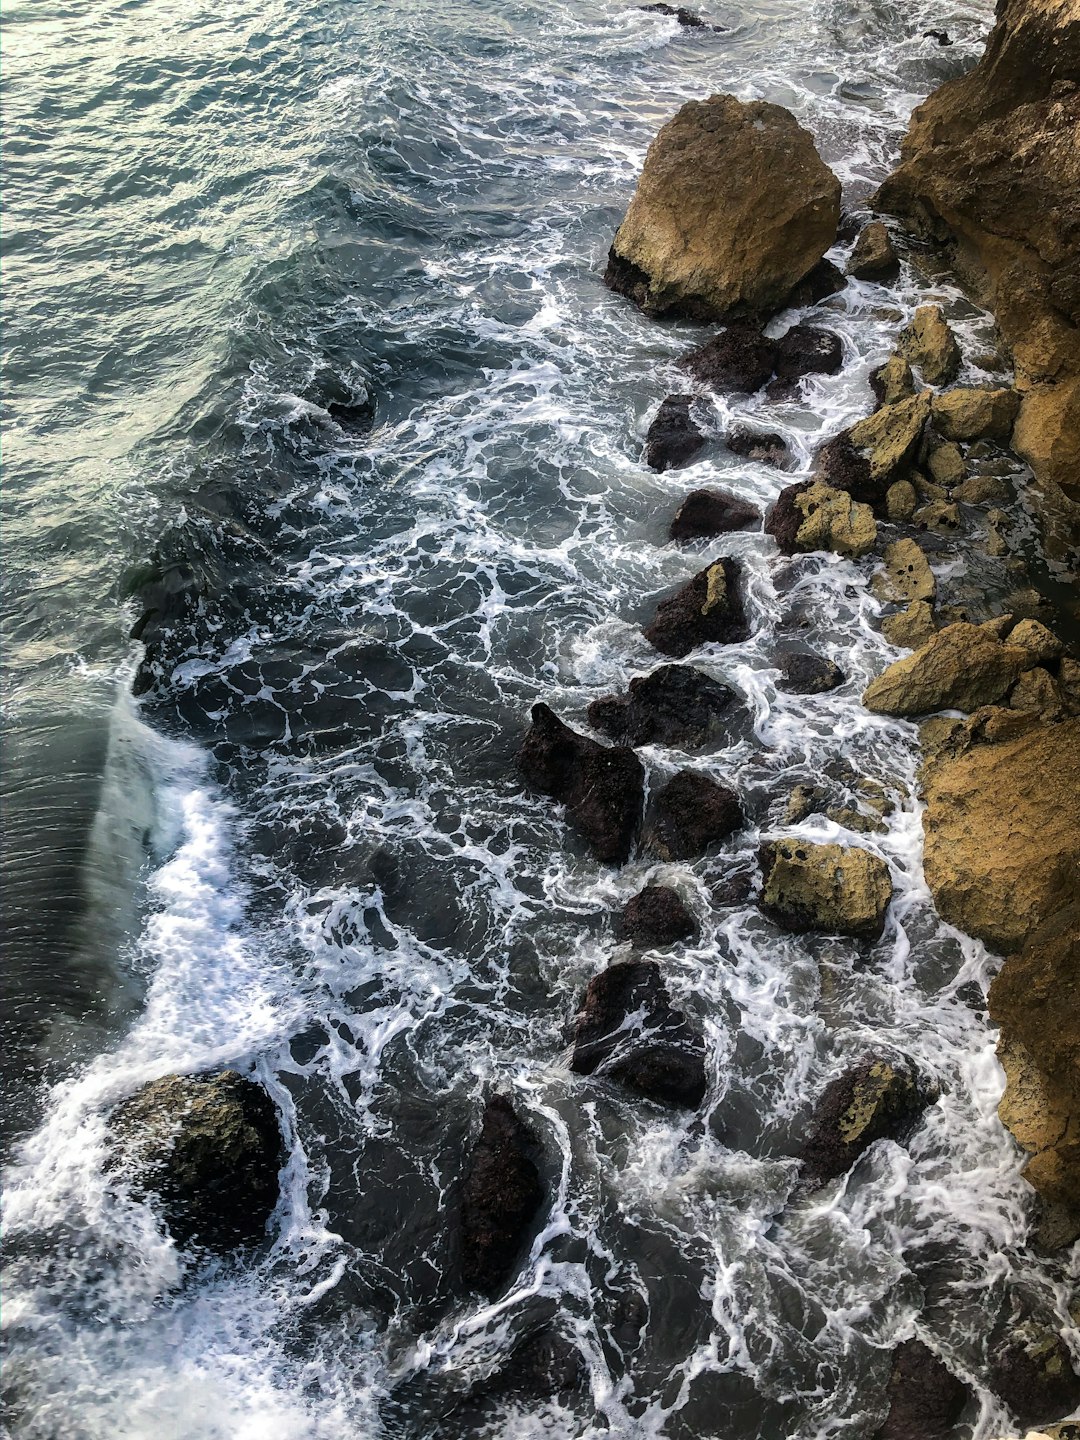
(838, 890)
(975, 414)
(880, 1098)
(813, 516)
(707, 609)
(929, 345)
(961, 668)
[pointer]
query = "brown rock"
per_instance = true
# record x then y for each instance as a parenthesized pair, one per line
(708, 609)
(880, 1098)
(939, 516)
(813, 516)
(982, 490)
(911, 628)
(655, 917)
(926, 1399)
(975, 414)
(929, 345)
(1037, 691)
(906, 575)
(1031, 635)
(900, 501)
(873, 257)
(1047, 434)
(946, 464)
(961, 668)
(825, 887)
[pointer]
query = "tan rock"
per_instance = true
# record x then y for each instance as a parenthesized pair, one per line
(911, 628)
(891, 434)
(733, 209)
(833, 521)
(900, 500)
(1031, 635)
(997, 530)
(929, 345)
(906, 574)
(1069, 683)
(927, 490)
(842, 891)
(961, 668)
(1037, 690)
(893, 381)
(873, 257)
(946, 464)
(1047, 433)
(939, 516)
(975, 414)
(982, 490)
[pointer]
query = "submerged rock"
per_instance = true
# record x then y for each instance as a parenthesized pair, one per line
(838, 890)
(880, 1098)
(960, 668)
(208, 1149)
(500, 1197)
(733, 209)
(689, 815)
(874, 257)
(602, 787)
(926, 1399)
(812, 516)
(685, 17)
(765, 446)
(807, 674)
(705, 513)
(628, 1029)
(808, 350)
(674, 705)
(739, 359)
(673, 438)
(655, 917)
(929, 345)
(708, 609)
(1032, 1371)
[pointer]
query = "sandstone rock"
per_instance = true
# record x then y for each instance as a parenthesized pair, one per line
(892, 381)
(1041, 642)
(207, 1149)
(655, 917)
(739, 359)
(961, 668)
(982, 490)
(814, 516)
(602, 787)
(705, 513)
(975, 414)
(673, 438)
(852, 819)
(939, 516)
(900, 501)
(880, 1098)
(911, 628)
(1032, 1372)
(930, 345)
(1047, 435)
(807, 674)
(927, 490)
(500, 1197)
(689, 815)
(673, 705)
(1037, 691)
(874, 257)
(946, 464)
(891, 436)
(765, 446)
(708, 609)
(733, 209)
(997, 530)
(825, 887)
(628, 1029)
(906, 574)
(926, 1399)
(804, 800)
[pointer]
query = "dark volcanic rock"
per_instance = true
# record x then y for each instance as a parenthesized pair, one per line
(673, 438)
(1032, 1372)
(925, 1398)
(806, 674)
(684, 17)
(705, 513)
(843, 467)
(880, 1098)
(674, 705)
(209, 1149)
(807, 350)
(739, 358)
(708, 609)
(500, 1197)
(655, 917)
(784, 518)
(601, 786)
(823, 280)
(765, 446)
(628, 1029)
(690, 814)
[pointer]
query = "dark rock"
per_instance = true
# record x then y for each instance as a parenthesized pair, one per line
(500, 1197)
(806, 674)
(740, 358)
(684, 17)
(673, 438)
(941, 36)
(874, 257)
(1032, 1372)
(355, 417)
(734, 889)
(545, 1364)
(784, 518)
(626, 278)
(166, 595)
(655, 917)
(627, 1029)
(762, 445)
(689, 815)
(705, 513)
(807, 350)
(839, 464)
(708, 609)
(926, 1399)
(880, 1098)
(674, 705)
(208, 1148)
(824, 279)
(601, 786)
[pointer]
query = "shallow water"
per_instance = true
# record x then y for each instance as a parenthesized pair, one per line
(304, 848)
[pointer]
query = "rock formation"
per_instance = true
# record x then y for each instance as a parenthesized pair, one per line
(500, 1197)
(689, 815)
(673, 705)
(708, 609)
(880, 1098)
(961, 668)
(705, 513)
(808, 886)
(813, 516)
(654, 918)
(874, 257)
(925, 1398)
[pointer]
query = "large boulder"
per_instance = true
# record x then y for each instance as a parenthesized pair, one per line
(880, 1098)
(689, 815)
(962, 667)
(673, 438)
(808, 350)
(926, 1399)
(602, 787)
(673, 705)
(500, 1196)
(813, 516)
(975, 413)
(733, 209)
(705, 513)
(841, 891)
(707, 610)
(654, 918)
(207, 1149)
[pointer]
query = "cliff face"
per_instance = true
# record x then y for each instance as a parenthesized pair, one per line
(991, 166)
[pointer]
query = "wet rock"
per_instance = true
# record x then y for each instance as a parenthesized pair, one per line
(856, 820)
(1042, 643)
(824, 279)
(975, 414)
(705, 513)
(982, 490)
(166, 595)
(628, 1029)
(929, 345)
(824, 887)
(890, 438)
(602, 787)
(208, 1149)
(813, 516)
(808, 350)
(674, 705)
(874, 257)
(765, 446)
(911, 628)
(892, 381)
(946, 464)
(962, 667)
(545, 1364)
(880, 1098)
(940, 516)
(711, 229)
(655, 917)
(807, 674)
(1038, 692)
(900, 500)
(840, 465)
(1031, 1370)
(906, 574)
(739, 359)
(689, 815)
(689, 18)
(707, 610)
(673, 438)
(926, 1399)
(941, 36)
(500, 1197)
(804, 800)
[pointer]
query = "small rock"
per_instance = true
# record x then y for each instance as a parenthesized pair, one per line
(655, 917)
(946, 464)
(1032, 1372)
(961, 668)
(1038, 691)
(996, 543)
(766, 447)
(892, 381)
(500, 1197)
(708, 609)
(926, 489)
(926, 1399)
(673, 705)
(813, 516)
(824, 279)
(808, 350)
(838, 890)
(739, 359)
(689, 815)
(911, 628)
(880, 1098)
(705, 513)
(804, 800)
(940, 516)
(873, 257)
(975, 414)
(930, 345)
(685, 17)
(900, 501)
(982, 490)
(673, 438)
(1041, 642)
(941, 36)
(906, 575)
(807, 674)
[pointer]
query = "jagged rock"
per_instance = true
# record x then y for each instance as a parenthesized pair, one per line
(1032, 1371)
(808, 350)
(807, 674)
(939, 516)
(911, 628)
(656, 916)
(856, 820)
(982, 490)
(929, 345)
(906, 574)
(975, 414)
(892, 381)
(926, 1399)
(1037, 691)
(840, 465)
(705, 513)
(813, 516)
(998, 526)
(890, 437)
(689, 815)
(602, 786)
(900, 500)
(673, 438)
(765, 446)
(874, 257)
(880, 1098)
(500, 1197)
(673, 705)
(712, 228)
(740, 358)
(1041, 642)
(207, 1149)
(961, 668)
(628, 1029)
(946, 464)
(926, 489)
(841, 891)
(708, 609)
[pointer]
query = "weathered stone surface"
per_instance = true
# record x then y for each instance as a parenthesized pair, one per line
(673, 705)
(689, 815)
(939, 516)
(705, 513)
(602, 787)
(655, 917)
(765, 446)
(946, 464)
(807, 674)
(900, 501)
(1047, 436)
(961, 668)
(880, 1098)
(628, 1029)
(929, 345)
(673, 438)
(890, 437)
(207, 1149)
(814, 516)
(1002, 843)
(874, 257)
(1035, 637)
(825, 887)
(1031, 1370)
(982, 490)
(911, 628)
(739, 359)
(906, 574)
(500, 1197)
(804, 800)
(708, 609)
(892, 381)
(733, 209)
(926, 1399)
(808, 350)
(689, 19)
(1038, 692)
(975, 414)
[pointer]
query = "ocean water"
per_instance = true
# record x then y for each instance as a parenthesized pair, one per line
(306, 300)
